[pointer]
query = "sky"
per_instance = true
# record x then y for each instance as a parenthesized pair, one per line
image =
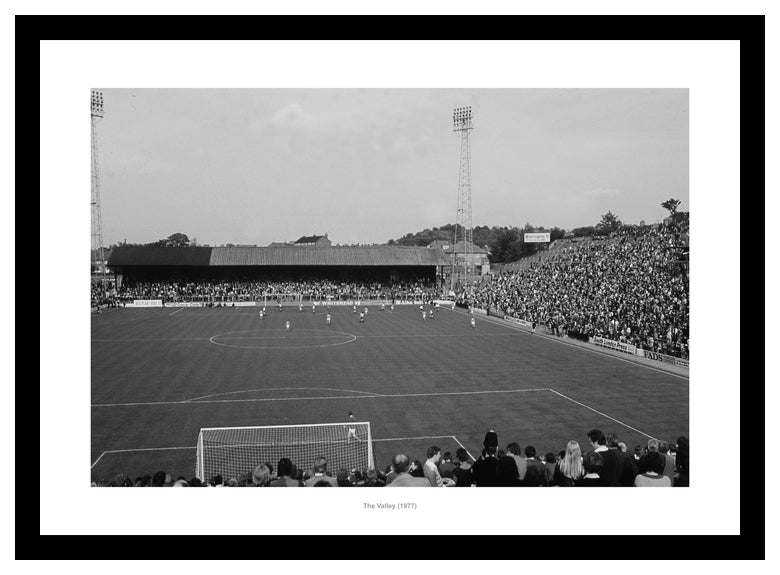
(255, 166)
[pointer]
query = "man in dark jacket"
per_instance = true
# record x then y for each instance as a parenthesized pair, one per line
(618, 469)
(536, 472)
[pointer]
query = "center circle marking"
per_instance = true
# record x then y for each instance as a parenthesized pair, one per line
(285, 335)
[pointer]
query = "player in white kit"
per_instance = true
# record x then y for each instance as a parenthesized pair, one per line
(352, 429)
(361, 317)
(354, 309)
(423, 315)
(473, 322)
(327, 319)
(300, 307)
(287, 325)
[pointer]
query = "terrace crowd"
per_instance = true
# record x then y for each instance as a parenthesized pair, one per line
(605, 462)
(631, 288)
(247, 290)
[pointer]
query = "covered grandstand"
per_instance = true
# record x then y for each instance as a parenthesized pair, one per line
(385, 264)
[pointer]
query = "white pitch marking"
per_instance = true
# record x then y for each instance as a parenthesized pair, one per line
(464, 447)
(280, 389)
(188, 402)
(140, 449)
(177, 311)
(157, 339)
(409, 438)
(219, 335)
(604, 415)
(195, 446)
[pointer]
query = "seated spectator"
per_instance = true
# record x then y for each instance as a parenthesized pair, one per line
(284, 474)
(663, 448)
(261, 477)
(431, 469)
(592, 463)
(431, 466)
(506, 471)
(536, 473)
(180, 483)
(195, 482)
(320, 473)
(216, 481)
(403, 478)
(390, 474)
(516, 452)
(462, 473)
(681, 462)
(160, 479)
(343, 478)
(416, 469)
(446, 467)
(371, 478)
(549, 464)
(653, 476)
(121, 480)
(619, 468)
(569, 468)
(652, 446)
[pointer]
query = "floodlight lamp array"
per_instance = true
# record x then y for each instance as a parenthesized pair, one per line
(462, 116)
(97, 103)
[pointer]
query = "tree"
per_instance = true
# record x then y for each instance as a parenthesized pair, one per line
(177, 240)
(671, 204)
(557, 234)
(609, 223)
(507, 247)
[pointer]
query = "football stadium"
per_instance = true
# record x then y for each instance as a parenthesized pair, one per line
(537, 358)
(274, 367)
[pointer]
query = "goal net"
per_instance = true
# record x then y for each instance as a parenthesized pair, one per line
(272, 299)
(232, 451)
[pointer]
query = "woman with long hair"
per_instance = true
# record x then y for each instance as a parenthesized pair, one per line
(569, 468)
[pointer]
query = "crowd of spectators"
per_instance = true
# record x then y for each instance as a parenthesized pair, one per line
(606, 463)
(257, 290)
(103, 296)
(631, 287)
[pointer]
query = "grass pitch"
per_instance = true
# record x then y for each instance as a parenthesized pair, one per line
(159, 375)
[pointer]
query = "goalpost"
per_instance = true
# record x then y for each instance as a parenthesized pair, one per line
(232, 451)
(276, 298)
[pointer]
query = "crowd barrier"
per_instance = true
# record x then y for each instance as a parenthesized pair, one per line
(603, 342)
(616, 345)
(668, 359)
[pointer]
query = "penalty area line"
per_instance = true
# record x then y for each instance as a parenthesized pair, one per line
(605, 415)
(321, 398)
(464, 447)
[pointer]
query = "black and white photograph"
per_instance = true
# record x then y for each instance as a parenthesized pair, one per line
(389, 288)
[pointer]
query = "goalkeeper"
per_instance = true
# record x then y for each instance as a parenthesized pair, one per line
(352, 429)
